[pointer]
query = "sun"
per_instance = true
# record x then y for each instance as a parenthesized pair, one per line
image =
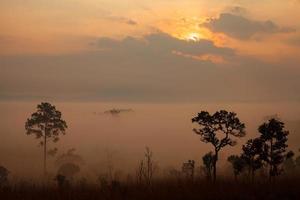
(193, 36)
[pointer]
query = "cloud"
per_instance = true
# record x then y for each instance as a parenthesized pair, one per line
(156, 67)
(159, 43)
(238, 10)
(123, 20)
(240, 27)
(131, 22)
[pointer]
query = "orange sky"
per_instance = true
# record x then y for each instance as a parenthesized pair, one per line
(150, 47)
(64, 26)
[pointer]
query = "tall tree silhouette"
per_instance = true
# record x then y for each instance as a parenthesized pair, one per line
(252, 154)
(46, 124)
(274, 137)
(238, 164)
(208, 160)
(213, 127)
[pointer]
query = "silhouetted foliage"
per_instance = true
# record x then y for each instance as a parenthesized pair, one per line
(297, 162)
(238, 164)
(69, 170)
(208, 163)
(46, 123)
(188, 169)
(102, 180)
(274, 137)
(221, 123)
(52, 152)
(283, 189)
(69, 157)
(61, 180)
(289, 164)
(252, 154)
(3, 175)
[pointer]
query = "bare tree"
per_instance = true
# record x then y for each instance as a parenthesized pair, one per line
(150, 166)
(110, 165)
(220, 123)
(146, 168)
(46, 123)
(140, 172)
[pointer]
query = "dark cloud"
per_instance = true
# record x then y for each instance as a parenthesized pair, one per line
(147, 69)
(161, 44)
(240, 27)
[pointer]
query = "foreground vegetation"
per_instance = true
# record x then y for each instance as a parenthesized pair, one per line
(165, 189)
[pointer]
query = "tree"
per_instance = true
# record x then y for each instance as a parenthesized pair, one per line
(220, 123)
(69, 170)
(46, 124)
(289, 164)
(69, 157)
(150, 166)
(3, 175)
(297, 162)
(252, 154)
(238, 164)
(274, 137)
(69, 164)
(188, 169)
(208, 160)
(146, 168)
(61, 180)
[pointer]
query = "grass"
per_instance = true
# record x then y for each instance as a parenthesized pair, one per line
(283, 189)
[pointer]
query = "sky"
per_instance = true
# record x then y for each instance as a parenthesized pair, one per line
(150, 50)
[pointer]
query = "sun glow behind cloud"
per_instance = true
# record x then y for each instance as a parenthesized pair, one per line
(58, 27)
(193, 36)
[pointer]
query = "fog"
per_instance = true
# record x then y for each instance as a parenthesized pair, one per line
(121, 138)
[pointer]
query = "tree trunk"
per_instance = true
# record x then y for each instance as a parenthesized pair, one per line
(251, 169)
(271, 161)
(252, 175)
(45, 155)
(215, 166)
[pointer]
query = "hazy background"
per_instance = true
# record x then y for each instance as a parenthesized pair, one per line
(165, 128)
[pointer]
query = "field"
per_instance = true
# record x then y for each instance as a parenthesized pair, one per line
(283, 189)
